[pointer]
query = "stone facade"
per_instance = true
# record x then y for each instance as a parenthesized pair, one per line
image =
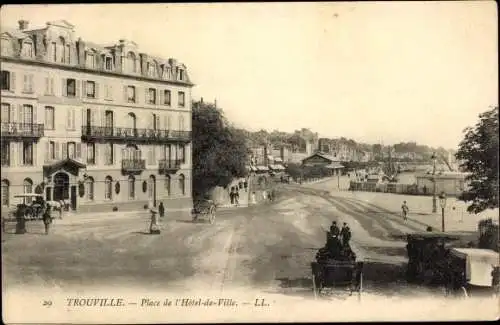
(98, 126)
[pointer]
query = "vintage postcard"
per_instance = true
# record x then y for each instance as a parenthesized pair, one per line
(249, 162)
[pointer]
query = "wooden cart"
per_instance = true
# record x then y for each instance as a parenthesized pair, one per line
(334, 274)
(205, 209)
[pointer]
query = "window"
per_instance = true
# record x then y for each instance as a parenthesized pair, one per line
(90, 89)
(167, 185)
(6, 46)
(90, 188)
(108, 188)
(90, 60)
(54, 51)
(90, 153)
(5, 153)
(181, 123)
(68, 54)
(5, 192)
(27, 189)
(131, 94)
(27, 50)
(52, 150)
(5, 80)
(108, 154)
(131, 187)
(28, 83)
(151, 69)
(5, 115)
(49, 118)
(27, 115)
(181, 98)
(131, 63)
(182, 185)
(182, 153)
(108, 92)
(71, 150)
(27, 154)
(152, 96)
(62, 49)
(71, 87)
(108, 65)
(181, 74)
(166, 97)
(155, 121)
(49, 86)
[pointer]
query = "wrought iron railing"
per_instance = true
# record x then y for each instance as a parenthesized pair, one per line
(169, 164)
(134, 133)
(133, 164)
(31, 130)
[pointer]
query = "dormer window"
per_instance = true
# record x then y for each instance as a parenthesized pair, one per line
(90, 61)
(108, 63)
(181, 74)
(151, 69)
(27, 50)
(6, 46)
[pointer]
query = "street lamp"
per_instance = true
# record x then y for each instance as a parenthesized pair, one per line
(442, 203)
(434, 205)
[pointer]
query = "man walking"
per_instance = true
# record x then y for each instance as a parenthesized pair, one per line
(47, 219)
(161, 210)
(405, 210)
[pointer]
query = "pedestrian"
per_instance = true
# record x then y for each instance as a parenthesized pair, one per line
(334, 229)
(237, 196)
(161, 210)
(405, 210)
(345, 233)
(252, 198)
(153, 226)
(231, 195)
(47, 219)
(264, 195)
(245, 184)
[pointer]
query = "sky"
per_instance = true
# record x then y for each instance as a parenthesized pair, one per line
(373, 72)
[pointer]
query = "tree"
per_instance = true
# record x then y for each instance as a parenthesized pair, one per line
(479, 153)
(219, 150)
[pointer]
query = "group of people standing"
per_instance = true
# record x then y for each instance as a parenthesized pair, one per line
(337, 245)
(234, 195)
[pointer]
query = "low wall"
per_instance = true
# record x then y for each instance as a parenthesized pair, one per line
(396, 188)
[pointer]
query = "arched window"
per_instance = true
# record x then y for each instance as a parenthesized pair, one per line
(132, 121)
(167, 185)
(5, 192)
(108, 188)
(89, 184)
(131, 152)
(131, 62)
(182, 184)
(27, 189)
(131, 187)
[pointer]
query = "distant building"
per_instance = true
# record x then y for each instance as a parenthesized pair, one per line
(452, 183)
(323, 160)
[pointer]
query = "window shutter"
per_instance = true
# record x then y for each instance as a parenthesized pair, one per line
(35, 115)
(64, 87)
(78, 153)
(20, 153)
(84, 117)
(161, 152)
(96, 90)
(64, 150)
(125, 94)
(115, 152)
(13, 149)
(154, 159)
(84, 88)
(137, 93)
(78, 86)
(103, 118)
(47, 85)
(13, 113)
(73, 118)
(162, 97)
(20, 111)
(97, 155)
(109, 95)
(124, 154)
(146, 93)
(35, 153)
(93, 117)
(158, 127)
(12, 81)
(165, 122)
(68, 119)
(83, 152)
(157, 94)
(57, 147)
(31, 83)
(52, 86)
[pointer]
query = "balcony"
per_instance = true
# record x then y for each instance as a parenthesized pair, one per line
(136, 135)
(22, 130)
(169, 165)
(133, 165)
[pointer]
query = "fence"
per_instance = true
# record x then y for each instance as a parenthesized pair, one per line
(395, 188)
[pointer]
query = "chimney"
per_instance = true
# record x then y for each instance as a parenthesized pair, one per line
(215, 103)
(23, 24)
(201, 100)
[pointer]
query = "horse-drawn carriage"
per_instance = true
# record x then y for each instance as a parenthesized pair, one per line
(204, 208)
(336, 266)
(29, 207)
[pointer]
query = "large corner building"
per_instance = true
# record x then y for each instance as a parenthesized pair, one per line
(97, 126)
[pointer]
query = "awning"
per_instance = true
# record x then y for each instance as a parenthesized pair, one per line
(73, 164)
(334, 165)
(479, 264)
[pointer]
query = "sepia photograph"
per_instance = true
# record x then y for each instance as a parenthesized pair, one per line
(249, 162)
